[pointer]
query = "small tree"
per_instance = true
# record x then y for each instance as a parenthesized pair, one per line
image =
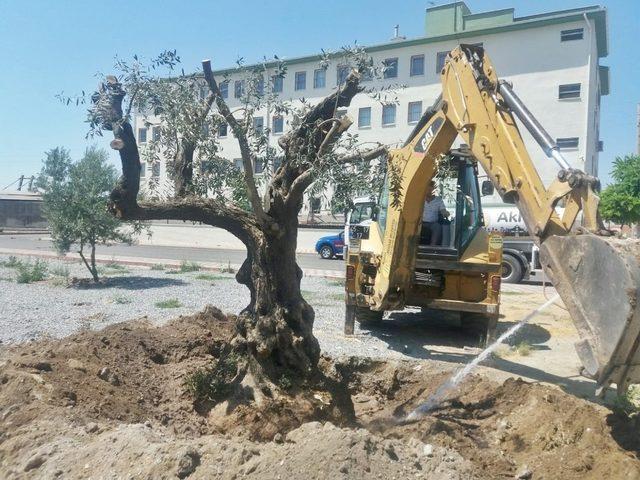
(75, 197)
(620, 201)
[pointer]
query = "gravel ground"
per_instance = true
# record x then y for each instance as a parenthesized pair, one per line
(52, 308)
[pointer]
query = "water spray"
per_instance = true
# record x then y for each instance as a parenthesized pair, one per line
(436, 398)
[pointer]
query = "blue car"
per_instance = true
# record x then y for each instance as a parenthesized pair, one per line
(330, 246)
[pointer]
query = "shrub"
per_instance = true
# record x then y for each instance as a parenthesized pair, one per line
(211, 384)
(157, 266)
(60, 270)
(629, 402)
(170, 303)
(121, 300)
(187, 266)
(31, 272)
(228, 268)
(11, 262)
(115, 266)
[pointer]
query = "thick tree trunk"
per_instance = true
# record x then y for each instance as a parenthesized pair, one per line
(183, 169)
(277, 326)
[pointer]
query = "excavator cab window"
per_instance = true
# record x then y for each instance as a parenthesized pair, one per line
(460, 192)
(383, 206)
(468, 217)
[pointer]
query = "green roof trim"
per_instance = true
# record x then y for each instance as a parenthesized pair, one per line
(603, 74)
(597, 13)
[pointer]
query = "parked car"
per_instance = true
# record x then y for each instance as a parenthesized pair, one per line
(330, 246)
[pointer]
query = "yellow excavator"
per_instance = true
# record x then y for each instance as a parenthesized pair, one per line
(389, 266)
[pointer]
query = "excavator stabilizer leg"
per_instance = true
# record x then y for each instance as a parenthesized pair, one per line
(598, 279)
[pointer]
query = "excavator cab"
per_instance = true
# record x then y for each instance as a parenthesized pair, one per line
(457, 270)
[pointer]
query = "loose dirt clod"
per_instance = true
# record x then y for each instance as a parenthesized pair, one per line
(64, 422)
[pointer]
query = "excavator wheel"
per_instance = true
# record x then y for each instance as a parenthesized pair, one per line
(481, 325)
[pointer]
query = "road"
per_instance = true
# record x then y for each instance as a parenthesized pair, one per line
(42, 243)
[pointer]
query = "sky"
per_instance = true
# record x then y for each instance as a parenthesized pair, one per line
(48, 47)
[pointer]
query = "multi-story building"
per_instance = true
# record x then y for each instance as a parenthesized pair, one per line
(552, 59)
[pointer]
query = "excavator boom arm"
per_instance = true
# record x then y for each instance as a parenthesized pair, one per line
(597, 278)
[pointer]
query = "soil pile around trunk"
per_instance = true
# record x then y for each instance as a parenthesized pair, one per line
(112, 404)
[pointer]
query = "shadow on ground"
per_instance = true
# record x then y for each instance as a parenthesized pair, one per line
(415, 334)
(128, 282)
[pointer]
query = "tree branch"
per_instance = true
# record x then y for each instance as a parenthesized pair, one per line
(305, 179)
(365, 156)
(239, 132)
(324, 110)
(240, 223)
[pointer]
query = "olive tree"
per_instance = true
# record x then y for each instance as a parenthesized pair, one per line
(275, 329)
(75, 197)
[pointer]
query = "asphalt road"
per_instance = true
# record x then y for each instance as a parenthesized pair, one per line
(41, 243)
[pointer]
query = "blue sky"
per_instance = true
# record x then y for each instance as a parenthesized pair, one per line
(50, 46)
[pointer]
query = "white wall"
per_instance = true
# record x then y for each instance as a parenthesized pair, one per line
(533, 59)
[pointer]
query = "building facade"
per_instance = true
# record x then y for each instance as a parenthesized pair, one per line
(552, 59)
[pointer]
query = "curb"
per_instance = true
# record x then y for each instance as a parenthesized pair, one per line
(148, 262)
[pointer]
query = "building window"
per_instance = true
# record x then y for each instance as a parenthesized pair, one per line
(142, 135)
(573, 34)
(319, 78)
(341, 112)
(224, 89)
(388, 115)
(238, 88)
(441, 58)
(569, 142)
(258, 124)
(343, 73)
(600, 145)
(571, 90)
(277, 82)
(222, 130)
(415, 112)
(417, 65)
(237, 163)
(364, 117)
(155, 169)
(390, 68)
(258, 166)
(155, 134)
(315, 204)
(301, 80)
(278, 124)
(260, 86)
(143, 169)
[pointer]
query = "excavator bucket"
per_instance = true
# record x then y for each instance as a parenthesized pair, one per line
(598, 279)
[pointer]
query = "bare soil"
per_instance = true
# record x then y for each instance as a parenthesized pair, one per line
(112, 404)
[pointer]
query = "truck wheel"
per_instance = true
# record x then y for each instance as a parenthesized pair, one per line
(326, 252)
(368, 318)
(483, 326)
(511, 269)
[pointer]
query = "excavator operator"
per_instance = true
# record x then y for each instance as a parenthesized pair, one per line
(434, 211)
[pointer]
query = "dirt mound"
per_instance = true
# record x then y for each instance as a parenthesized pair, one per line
(504, 429)
(112, 404)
